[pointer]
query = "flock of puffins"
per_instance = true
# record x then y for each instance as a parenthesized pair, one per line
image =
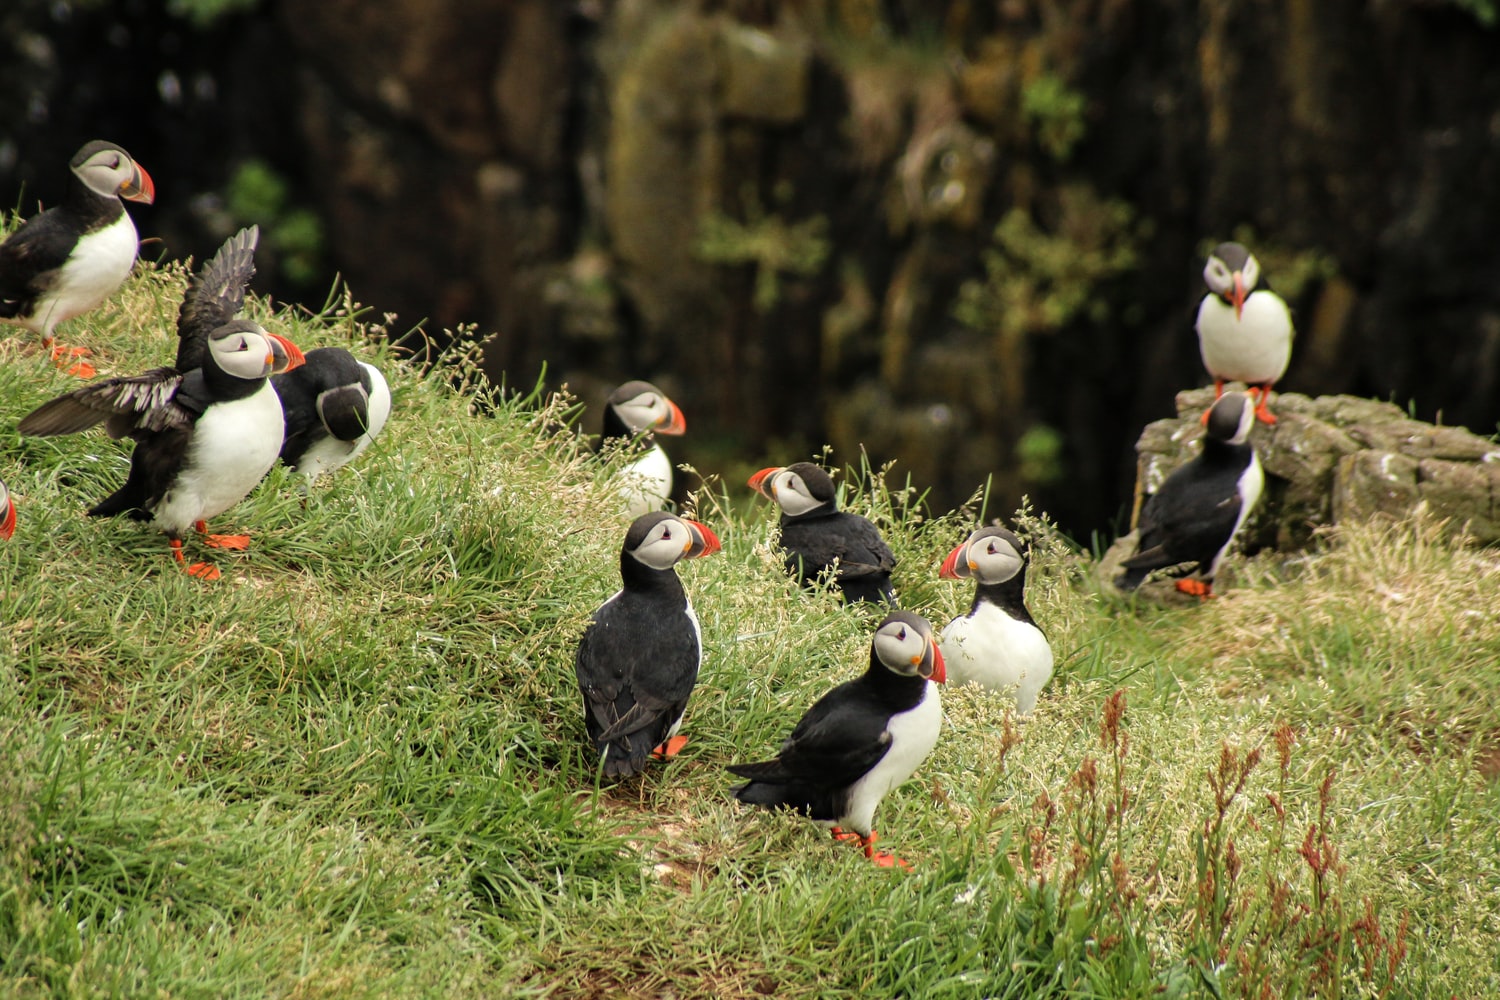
(208, 428)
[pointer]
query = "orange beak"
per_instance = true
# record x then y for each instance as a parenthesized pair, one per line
(950, 569)
(293, 354)
(705, 542)
(675, 424)
(939, 668)
(758, 481)
(8, 520)
(140, 186)
(1238, 297)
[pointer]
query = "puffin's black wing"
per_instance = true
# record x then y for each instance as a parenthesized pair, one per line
(29, 263)
(635, 673)
(864, 559)
(215, 295)
(840, 738)
(1178, 526)
(147, 402)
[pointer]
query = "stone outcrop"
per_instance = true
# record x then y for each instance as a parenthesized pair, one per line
(1333, 459)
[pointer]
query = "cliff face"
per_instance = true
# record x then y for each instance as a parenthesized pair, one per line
(966, 236)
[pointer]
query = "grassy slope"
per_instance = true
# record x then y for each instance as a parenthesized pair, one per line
(354, 766)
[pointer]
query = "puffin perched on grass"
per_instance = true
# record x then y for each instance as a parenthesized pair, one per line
(638, 659)
(335, 405)
(997, 644)
(203, 438)
(860, 740)
(817, 537)
(1196, 513)
(1244, 328)
(635, 413)
(67, 260)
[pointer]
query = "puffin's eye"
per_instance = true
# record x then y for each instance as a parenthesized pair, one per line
(901, 635)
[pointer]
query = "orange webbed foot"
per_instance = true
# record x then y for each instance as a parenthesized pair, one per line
(840, 834)
(671, 748)
(239, 542)
(881, 859)
(1196, 588)
(82, 369)
(64, 352)
(203, 571)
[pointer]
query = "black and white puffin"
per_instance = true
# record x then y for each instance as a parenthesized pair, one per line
(1195, 514)
(636, 412)
(203, 438)
(816, 535)
(7, 514)
(997, 644)
(638, 659)
(860, 740)
(1244, 328)
(335, 405)
(68, 259)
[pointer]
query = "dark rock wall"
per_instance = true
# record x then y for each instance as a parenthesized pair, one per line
(963, 235)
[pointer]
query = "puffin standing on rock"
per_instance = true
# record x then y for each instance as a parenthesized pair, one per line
(997, 644)
(638, 659)
(636, 412)
(203, 438)
(68, 259)
(860, 740)
(1244, 328)
(816, 536)
(1196, 513)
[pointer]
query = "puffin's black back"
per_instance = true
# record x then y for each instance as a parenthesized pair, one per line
(1192, 515)
(637, 664)
(812, 542)
(837, 742)
(326, 369)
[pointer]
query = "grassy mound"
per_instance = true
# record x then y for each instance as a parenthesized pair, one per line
(355, 766)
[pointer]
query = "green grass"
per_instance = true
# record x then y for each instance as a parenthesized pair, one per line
(355, 765)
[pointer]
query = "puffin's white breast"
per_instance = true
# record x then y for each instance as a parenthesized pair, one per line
(100, 261)
(232, 447)
(913, 735)
(992, 649)
(646, 483)
(1254, 348)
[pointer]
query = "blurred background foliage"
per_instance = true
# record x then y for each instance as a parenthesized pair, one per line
(965, 236)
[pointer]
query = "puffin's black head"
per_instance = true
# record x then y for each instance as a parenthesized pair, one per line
(904, 645)
(660, 540)
(1230, 418)
(798, 488)
(1232, 272)
(110, 171)
(641, 406)
(990, 555)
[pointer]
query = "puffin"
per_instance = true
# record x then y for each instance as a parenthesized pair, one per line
(203, 438)
(638, 659)
(997, 644)
(1196, 513)
(334, 406)
(636, 412)
(7, 514)
(68, 259)
(860, 740)
(1244, 328)
(816, 535)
